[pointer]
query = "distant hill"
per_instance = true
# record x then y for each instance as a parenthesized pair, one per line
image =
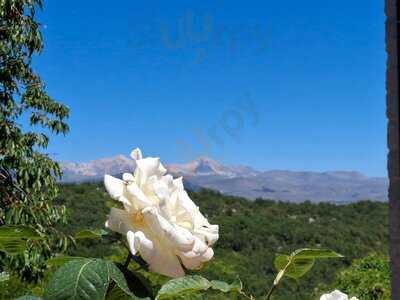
(95, 170)
(244, 181)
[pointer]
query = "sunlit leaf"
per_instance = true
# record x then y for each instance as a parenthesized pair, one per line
(301, 261)
(179, 286)
(90, 234)
(13, 239)
(296, 268)
(13, 246)
(316, 253)
(61, 260)
(185, 287)
(222, 286)
(10, 232)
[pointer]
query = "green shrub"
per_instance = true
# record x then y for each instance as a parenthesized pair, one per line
(367, 278)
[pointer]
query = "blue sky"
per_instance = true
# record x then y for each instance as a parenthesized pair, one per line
(273, 84)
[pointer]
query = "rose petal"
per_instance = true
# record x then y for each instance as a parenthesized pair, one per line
(169, 181)
(114, 186)
(197, 262)
(208, 235)
(128, 177)
(160, 259)
(161, 170)
(161, 190)
(136, 154)
(186, 202)
(137, 196)
(147, 167)
(184, 209)
(199, 220)
(178, 182)
(119, 221)
(195, 259)
(162, 228)
(131, 242)
(335, 295)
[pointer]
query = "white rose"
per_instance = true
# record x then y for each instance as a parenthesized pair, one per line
(336, 295)
(160, 220)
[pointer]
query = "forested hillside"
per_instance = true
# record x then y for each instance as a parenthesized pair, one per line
(251, 233)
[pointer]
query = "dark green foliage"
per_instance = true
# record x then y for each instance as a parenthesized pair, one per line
(367, 278)
(251, 233)
(87, 209)
(28, 177)
(14, 288)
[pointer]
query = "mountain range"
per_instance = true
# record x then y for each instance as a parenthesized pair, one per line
(244, 181)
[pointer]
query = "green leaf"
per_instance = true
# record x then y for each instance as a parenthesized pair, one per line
(178, 286)
(13, 239)
(13, 247)
(9, 232)
(295, 268)
(137, 282)
(116, 275)
(79, 279)
(191, 296)
(301, 261)
(281, 261)
(61, 260)
(29, 298)
(85, 278)
(90, 234)
(224, 287)
(316, 253)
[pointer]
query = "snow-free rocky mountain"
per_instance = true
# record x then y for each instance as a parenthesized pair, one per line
(335, 186)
